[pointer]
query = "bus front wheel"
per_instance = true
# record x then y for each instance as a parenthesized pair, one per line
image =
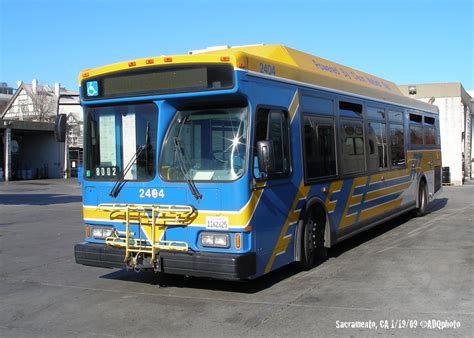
(312, 245)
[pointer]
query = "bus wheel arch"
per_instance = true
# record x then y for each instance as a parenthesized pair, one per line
(421, 197)
(313, 234)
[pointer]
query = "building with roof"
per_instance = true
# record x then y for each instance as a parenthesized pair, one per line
(6, 94)
(455, 116)
(471, 93)
(28, 146)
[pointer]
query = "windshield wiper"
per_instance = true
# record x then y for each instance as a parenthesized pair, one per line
(148, 147)
(121, 180)
(143, 148)
(180, 156)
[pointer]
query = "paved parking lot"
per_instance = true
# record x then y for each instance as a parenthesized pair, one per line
(406, 270)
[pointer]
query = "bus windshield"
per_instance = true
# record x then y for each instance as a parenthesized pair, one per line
(206, 145)
(115, 134)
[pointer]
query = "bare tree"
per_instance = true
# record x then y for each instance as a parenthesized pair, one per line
(44, 105)
(25, 109)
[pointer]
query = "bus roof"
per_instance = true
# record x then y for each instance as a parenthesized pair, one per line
(285, 63)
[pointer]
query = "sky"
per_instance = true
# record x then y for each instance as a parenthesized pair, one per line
(403, 41)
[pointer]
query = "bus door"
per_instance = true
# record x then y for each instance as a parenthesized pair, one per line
(273, 180)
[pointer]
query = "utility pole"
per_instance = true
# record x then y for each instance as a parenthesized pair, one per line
(8, 154)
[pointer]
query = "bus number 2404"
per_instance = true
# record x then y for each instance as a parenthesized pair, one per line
(151, 193)
(267, 69)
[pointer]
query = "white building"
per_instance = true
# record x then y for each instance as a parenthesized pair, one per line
(29, 149)
(35, 102)
(455, 113)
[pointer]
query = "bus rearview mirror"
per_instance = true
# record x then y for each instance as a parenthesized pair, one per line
(60, 127)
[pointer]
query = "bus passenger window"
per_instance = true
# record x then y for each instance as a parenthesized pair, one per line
(429, 130)
(397, 145)
(416, 129)
(353, 153)
(319, 147)
(378, 148)
(375, 113)
(430, 135)
(395, 116)
(272, 125)
(349, 109)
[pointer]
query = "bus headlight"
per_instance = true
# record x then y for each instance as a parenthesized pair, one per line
(101, 232)
(215, 240)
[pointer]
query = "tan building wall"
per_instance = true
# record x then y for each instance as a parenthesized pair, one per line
(471, 93)
(455, 110)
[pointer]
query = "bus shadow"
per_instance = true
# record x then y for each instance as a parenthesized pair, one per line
(178, 281)
(38, 199)
(275, 277)
(438, 204)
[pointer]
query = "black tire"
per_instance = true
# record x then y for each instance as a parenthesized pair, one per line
(422, 200)
(312, 244)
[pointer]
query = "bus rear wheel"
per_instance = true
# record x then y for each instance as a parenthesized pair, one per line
(422, 200)
(312, 246)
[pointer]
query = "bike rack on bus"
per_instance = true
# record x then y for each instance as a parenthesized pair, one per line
(161, 216)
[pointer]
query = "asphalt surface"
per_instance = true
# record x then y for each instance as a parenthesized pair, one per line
(408, 277)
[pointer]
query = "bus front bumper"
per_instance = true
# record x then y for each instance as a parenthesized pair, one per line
(203, 264)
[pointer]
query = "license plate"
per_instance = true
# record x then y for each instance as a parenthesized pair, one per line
(217, 222)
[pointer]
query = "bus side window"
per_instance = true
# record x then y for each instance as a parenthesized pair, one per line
(272, 125)
(378, 148)
(397, 138)
(429, 130)
(416, 129)
(319, 147)
(353, 154)
(397, 145)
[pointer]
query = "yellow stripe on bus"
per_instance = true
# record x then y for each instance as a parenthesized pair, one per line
(386, 191)
(377, 178)
(335, 186)
(238, 219)
(283, 240)
(331, 206)
(346, 219)
(380, 209)
(294, 105)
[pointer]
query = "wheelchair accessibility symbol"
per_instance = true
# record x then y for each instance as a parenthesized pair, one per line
(92, 88)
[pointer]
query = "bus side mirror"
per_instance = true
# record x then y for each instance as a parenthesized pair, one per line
(265, 156)
(60, 127)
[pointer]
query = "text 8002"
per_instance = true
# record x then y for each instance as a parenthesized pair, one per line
(106, 171)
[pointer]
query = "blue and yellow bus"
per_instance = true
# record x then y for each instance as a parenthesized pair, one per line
(230, 163)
